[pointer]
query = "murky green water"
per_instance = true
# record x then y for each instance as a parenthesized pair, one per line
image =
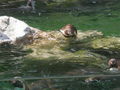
(14, 63)
(67, 83)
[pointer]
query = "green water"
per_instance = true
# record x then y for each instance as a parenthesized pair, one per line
(111, 83)
(13, 62)
(106, 21)
(109, 25)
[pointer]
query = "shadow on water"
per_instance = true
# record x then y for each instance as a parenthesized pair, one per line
(67, 83)
(56, 67)
(110, 83)
(14, 63)
(11, 59)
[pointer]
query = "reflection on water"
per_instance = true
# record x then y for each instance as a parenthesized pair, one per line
(14, 63)
(66, 83)
(11, 60)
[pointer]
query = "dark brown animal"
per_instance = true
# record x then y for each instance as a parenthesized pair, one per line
(69, 31)
(19, 83)
(114, 63)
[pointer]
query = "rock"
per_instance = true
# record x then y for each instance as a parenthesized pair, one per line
(108, 43)
(55, 48)
(89, 34)
(59, 51)
(12, 30)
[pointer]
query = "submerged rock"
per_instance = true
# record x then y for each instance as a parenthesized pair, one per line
(54, 47)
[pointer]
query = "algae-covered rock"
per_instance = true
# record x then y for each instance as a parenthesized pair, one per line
(61, 52)
(107, 46)
(112, 43)
(50, 44)
(59, 62)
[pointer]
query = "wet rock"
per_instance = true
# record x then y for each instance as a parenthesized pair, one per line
(53, 46)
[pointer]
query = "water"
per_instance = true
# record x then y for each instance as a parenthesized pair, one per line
(61, 74)
(68, 83)
(51, 75)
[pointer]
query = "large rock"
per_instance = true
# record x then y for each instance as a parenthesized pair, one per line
(90, 48)
(54, 47)
(12, 29)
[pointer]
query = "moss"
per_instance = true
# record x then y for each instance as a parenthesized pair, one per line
(61, 62)
(59, 59)
(64, 51)
(106, 43)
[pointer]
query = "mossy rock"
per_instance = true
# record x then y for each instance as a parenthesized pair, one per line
(56, 51)
(112, 43)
